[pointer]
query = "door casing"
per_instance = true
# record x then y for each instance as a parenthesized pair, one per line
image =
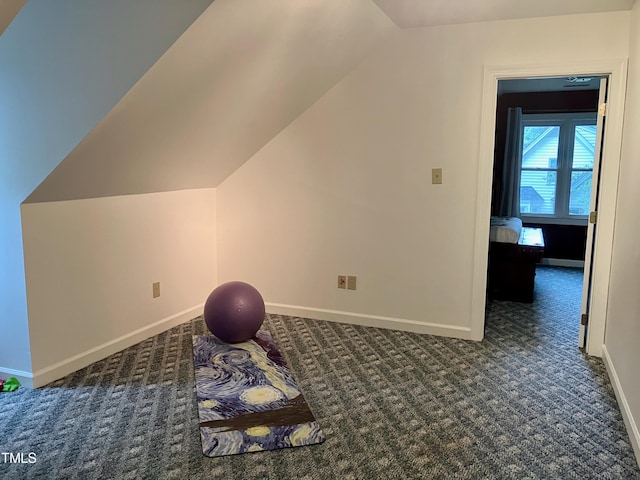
(616, 70)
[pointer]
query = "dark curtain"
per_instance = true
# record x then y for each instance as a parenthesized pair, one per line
(510, 197)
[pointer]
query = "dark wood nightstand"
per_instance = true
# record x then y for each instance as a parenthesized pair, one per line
(512, 267)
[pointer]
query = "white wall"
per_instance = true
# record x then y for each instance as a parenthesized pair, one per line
(64, 65)
(241, 73)
(622, 338)
(345, 189)
(90, 265)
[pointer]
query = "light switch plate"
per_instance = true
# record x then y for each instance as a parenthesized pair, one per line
(436, 176)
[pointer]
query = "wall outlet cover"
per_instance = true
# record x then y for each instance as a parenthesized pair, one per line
(436, 176)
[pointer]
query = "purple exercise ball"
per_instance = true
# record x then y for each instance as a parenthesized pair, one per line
(234, 312)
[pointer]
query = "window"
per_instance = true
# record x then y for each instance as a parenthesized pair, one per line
(557, 165)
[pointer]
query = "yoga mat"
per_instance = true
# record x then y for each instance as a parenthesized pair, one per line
(247, 399)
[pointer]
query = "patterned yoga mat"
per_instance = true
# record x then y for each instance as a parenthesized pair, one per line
(247, 399)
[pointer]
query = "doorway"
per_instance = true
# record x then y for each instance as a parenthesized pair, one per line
(611, 141)
(545, 173)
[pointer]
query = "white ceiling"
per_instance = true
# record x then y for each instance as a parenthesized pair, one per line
(424, 13)
(8, 10)
(233, 81)
(227, 86)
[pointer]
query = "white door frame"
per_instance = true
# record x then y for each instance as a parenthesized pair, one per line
(617, 71)
(591, 226)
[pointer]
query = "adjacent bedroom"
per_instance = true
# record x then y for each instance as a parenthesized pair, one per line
(544, 182)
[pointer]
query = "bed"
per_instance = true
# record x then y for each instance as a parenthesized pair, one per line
(514, 252)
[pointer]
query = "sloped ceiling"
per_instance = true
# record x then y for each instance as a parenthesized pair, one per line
(425, 13)
(239, 75)
(8, 10)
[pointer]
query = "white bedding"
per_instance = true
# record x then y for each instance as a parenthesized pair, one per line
(505, 229)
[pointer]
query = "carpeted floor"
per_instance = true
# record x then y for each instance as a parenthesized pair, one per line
(524, 403)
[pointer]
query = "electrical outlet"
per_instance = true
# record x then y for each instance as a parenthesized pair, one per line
(342, 281)
(436, 176)
(351, 282)
(156, 289)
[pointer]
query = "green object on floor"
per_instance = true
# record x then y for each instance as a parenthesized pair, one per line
(10, 384)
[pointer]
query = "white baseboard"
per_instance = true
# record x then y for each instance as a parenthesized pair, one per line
(629, 421)
(81, 360)
(563, 262)
(370, 320)
(25, 378)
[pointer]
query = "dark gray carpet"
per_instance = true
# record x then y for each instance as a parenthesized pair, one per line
(524, 403)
